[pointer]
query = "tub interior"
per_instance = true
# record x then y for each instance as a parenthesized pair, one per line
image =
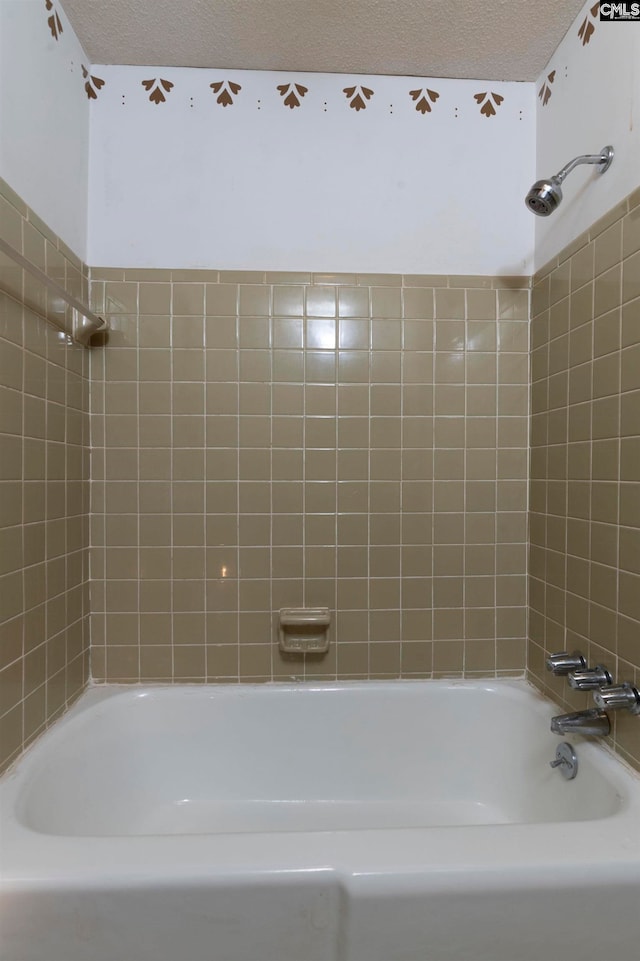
(332, 758)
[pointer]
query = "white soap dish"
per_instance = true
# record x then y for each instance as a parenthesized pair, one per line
(304, 630)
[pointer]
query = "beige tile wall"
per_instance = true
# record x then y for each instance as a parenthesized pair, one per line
(268, 440)
(262, 440)
(44, 529)
(585, 460)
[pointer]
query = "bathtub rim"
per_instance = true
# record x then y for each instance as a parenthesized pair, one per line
(545, 850)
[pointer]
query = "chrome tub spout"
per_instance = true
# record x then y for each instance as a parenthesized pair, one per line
(592, 722)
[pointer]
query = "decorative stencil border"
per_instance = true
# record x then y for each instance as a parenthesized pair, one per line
(293, 93)
(545, 90)
(424, 97)
(358, 96)
(226, 90)
(488, 102)
(584, 34)
(92, 84)
(588, 25)
(158, 89)
(53, 20)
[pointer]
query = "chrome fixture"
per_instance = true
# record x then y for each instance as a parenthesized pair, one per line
(592, 722)
(619, 697)
(546, 195)
(590, 678)
(63, 311)
(563, 663)
(566, 760)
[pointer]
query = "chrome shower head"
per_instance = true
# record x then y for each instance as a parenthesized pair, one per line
(546, 195)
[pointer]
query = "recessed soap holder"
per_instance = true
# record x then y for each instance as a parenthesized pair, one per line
(304, 630)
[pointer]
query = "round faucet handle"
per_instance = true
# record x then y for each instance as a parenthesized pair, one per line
(618, 697)
(590, 678)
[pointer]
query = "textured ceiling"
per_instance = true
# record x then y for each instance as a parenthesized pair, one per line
(492, 39)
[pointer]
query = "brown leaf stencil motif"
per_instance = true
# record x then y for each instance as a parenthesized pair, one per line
(545, 89)
(588, 25)
(292, 93)
(226, 90)
(158, 89)
(55, 24)
(92, 84)
(358, 96)
(489, 102)
(424, 98)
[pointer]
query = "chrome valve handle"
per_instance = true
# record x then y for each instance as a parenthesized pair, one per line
(618, 697)
(590, 678)
(564, 663)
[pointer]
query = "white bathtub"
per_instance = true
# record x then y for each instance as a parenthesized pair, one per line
(399, 821)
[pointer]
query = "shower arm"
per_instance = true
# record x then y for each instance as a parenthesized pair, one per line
(602, 159)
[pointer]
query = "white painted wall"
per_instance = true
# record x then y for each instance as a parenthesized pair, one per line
(44, 117)
(257, 185)
(189, 183)
(595, 100)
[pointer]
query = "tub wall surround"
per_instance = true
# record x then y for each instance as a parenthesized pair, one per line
(44, 492)
(585, 460)
(352, 440)
(271, 440)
